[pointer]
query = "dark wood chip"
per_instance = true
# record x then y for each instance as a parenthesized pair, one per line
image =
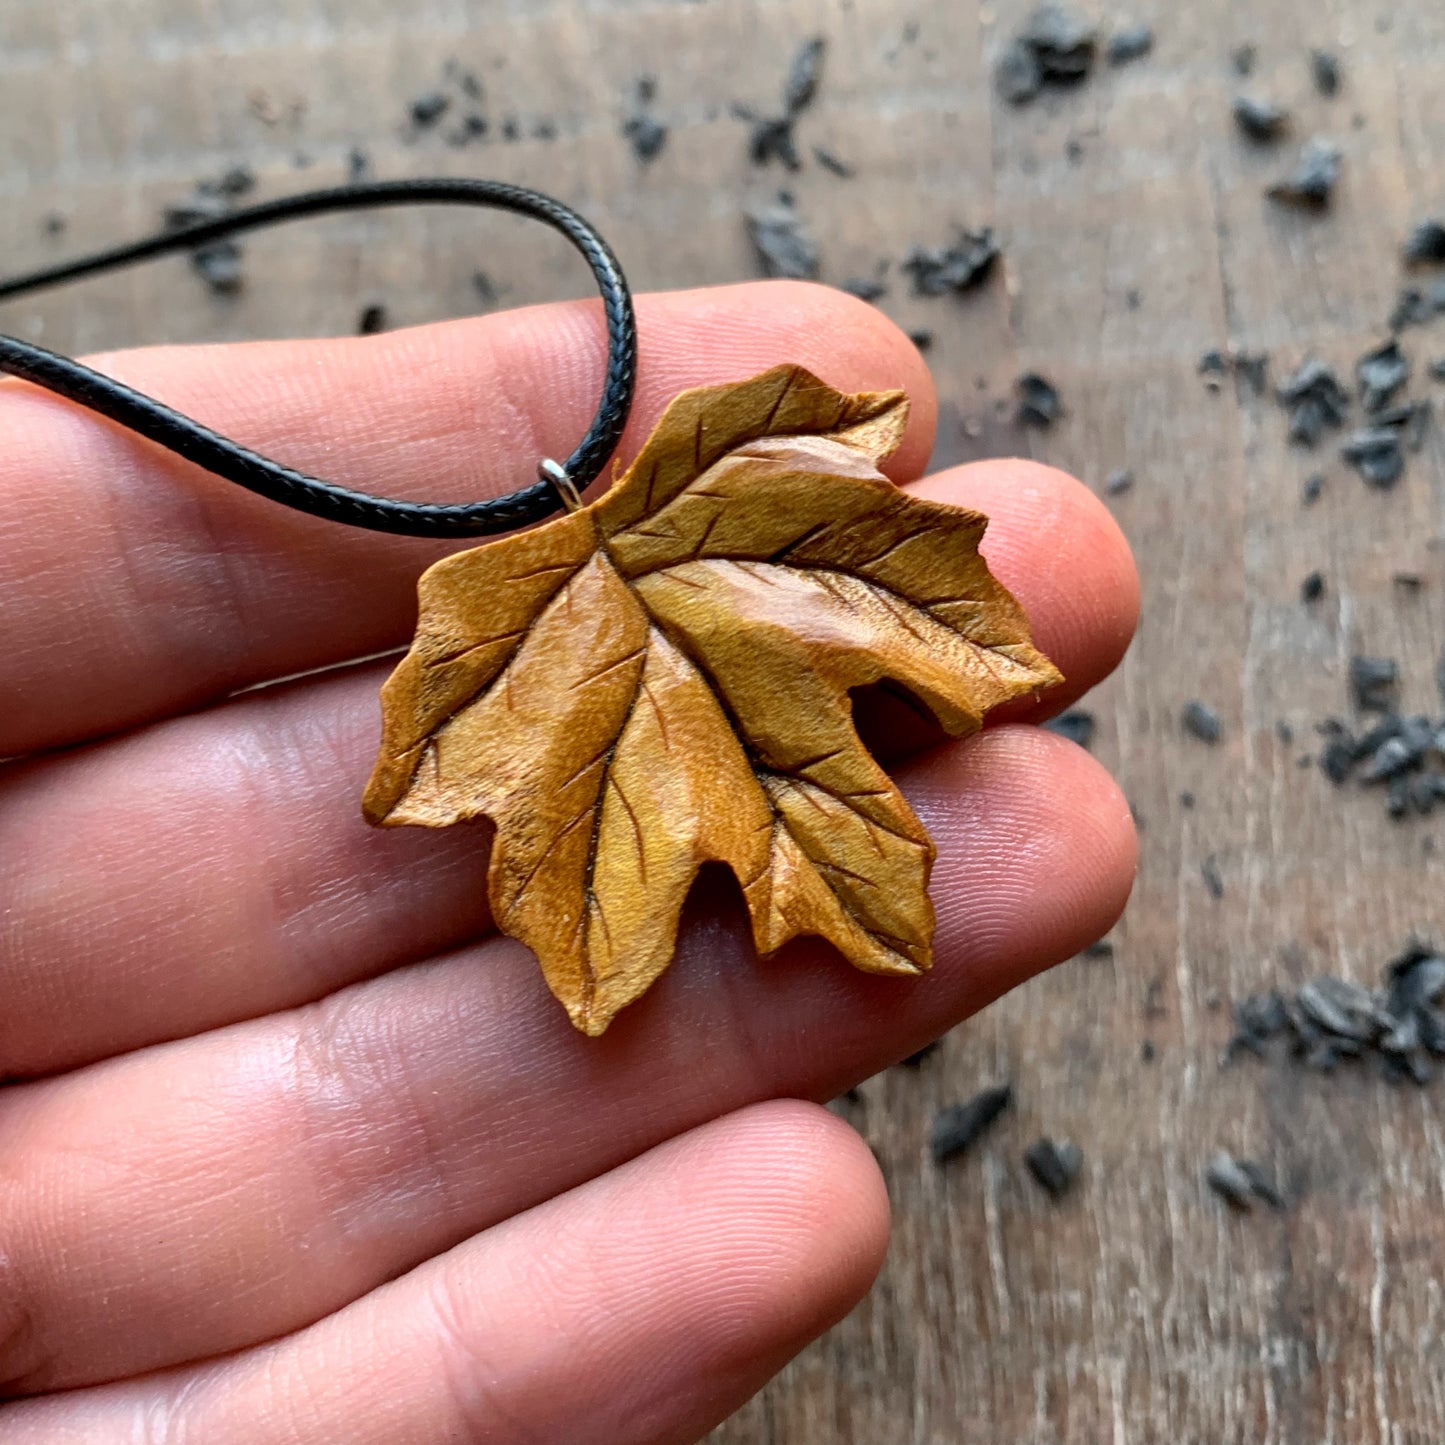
(1242, 58)
(831, 162)
(1063, 41)
(1374, 681)
(428, 109)
(1381, 372)
(1018, 74)
(372, 320)
(1426, 242)
(1201, 721)
(219, 266)
(958, 267)
(772, 139)
(782, 241)
(1312, 182)
(865, 288)
(922, 338)
(1325, 70)
(641, 128)
(1241, 1183)
(1213, 878)
(1314, 485)
(1260, 120)
(1132, 42)
(1315, 399)
(1119, 482)
(806, 71)
(1313, 587)
(913, 1061)
(1054, 1165)
(1230, 1182)
(1377, 453)
(1077, 725)
(1039, 403)
(956, 1128)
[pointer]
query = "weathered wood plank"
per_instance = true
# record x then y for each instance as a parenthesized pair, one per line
(1137, 1309)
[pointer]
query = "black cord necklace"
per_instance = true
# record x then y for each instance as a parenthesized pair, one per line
(660, 679)
(558, 484)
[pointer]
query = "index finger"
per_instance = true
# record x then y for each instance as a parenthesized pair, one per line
(134, 586)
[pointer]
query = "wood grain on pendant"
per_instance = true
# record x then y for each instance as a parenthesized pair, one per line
(662, 679)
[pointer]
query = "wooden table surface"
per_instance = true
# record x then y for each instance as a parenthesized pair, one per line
(1137, 1309)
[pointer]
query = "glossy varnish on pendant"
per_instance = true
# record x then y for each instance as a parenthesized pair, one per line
(662, 679)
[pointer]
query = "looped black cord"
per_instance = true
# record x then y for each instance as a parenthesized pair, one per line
(282, 484)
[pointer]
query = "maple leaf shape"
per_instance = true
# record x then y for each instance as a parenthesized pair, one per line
(662, 679)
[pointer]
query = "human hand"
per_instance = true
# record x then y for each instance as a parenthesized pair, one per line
(297, 1150)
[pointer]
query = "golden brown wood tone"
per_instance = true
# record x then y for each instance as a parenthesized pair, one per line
(662, 679)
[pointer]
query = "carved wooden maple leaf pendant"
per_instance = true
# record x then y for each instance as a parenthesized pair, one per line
(662, 678)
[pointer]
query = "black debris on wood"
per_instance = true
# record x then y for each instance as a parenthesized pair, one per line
(1416, 307)
(1313, 587)
(1313, 179)
(1018, 74)
(937, 270)
(922, 338)
(782, 240)
(1426, 243)
(1039, 403)
(772, 136)
(865, 288)
(1201, 721)
(1241, 1183)
(646, 133)
(1119, 482)
(831, 162)
(1103, 948)
(1325, 70)
(358, 165)
(1381, 372)
(1259, 119)
(219, 265)
(428, 109)
(1133, 42)
(1399, 1026)
(1242, 58)
(1377, 453)
(372, 320)
(485, 287)
(956, 1128)
(913, 1061)
(803, 75)
(1315, 399)
(1314, 485)
(1055, 47)
(1054, 1165)
(1373, 682)
(1251, 368)
(1077, 725)
(1213, 878)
